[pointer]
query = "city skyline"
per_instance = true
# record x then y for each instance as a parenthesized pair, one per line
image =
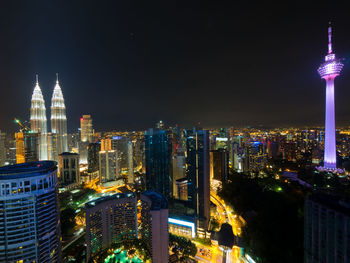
(208, 58)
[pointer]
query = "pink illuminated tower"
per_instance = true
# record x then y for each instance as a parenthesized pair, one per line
(328, 71)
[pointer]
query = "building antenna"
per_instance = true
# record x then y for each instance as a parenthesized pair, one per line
(330, 38)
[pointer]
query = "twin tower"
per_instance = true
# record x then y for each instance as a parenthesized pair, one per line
(54, 143)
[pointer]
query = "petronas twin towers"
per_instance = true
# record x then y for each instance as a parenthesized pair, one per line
(54, 143)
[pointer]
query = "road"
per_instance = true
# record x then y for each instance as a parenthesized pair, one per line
(216, 255)
(73, 240)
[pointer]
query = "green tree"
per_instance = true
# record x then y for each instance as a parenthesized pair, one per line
(67, 219)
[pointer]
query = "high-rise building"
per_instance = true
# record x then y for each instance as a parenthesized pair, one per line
(83, 151)
(197, 174)
(255, 157)
(59, 121)
(93, 157)
(29, 213)
(329, 70)
(87, 134)
(158, 162)
(69, 168)
(154, 225)
(38, 121)
(218, 167)
(110, 219)
(2, 148)
(130, 163)
(326, 229)
(108, 166)
(27, 146)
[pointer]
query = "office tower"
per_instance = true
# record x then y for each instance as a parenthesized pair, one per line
(38, 121)
(83, 152)
(2, 148)
(182, 189)
(236, 153)
(197, 173)
(27, 146)
(11, 157)
(69, 169)
(59, 120)
(110, 219)
(329, 70)
(179, 170)
(160, 125)
(158, 162)
(255, 157)
(86, 129)
(93, 157)
(108, 165)
(29, 213)
(326, 229)
(73, 141)
(218, 167)
(130, 163)
(154, 225)
(139, 154)
(125, 160)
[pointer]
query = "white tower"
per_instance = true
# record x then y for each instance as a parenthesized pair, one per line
(59, 120)
(38, 121)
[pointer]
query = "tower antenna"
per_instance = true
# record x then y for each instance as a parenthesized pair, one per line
(330, 38)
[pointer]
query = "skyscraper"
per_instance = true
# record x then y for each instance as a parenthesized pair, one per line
(27, 146)
(2, 148)
(86, 128)
(108, 164)
(329, 70)
(59, 120)
(29, 213)
(326, 229)
(110, 219)
(197, 173)
(69, 169)
(38, 121)
(130, 163)
(93, 158)
(158, 162)
(154, 225)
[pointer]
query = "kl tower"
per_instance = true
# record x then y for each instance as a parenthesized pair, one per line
(329, 70)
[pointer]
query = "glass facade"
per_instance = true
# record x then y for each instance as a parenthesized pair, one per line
(29, 213)
(158, 162)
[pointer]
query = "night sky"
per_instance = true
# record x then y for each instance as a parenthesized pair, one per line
(131, 63)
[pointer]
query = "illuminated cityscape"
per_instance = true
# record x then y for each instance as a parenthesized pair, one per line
(172, 143)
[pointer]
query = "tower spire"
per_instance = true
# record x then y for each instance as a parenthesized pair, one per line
(57, 78)
(330, 38)
(37, 79)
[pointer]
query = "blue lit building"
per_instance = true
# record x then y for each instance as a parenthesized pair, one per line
(158, 162)
(29, 213)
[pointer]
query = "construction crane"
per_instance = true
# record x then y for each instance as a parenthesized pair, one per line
(23, 127)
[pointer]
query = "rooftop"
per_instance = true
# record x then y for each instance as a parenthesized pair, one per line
(158, 200)
(102, 199)
(333, 202)
(27, 169)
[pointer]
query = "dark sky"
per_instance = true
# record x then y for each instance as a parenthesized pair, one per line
(130, 63)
